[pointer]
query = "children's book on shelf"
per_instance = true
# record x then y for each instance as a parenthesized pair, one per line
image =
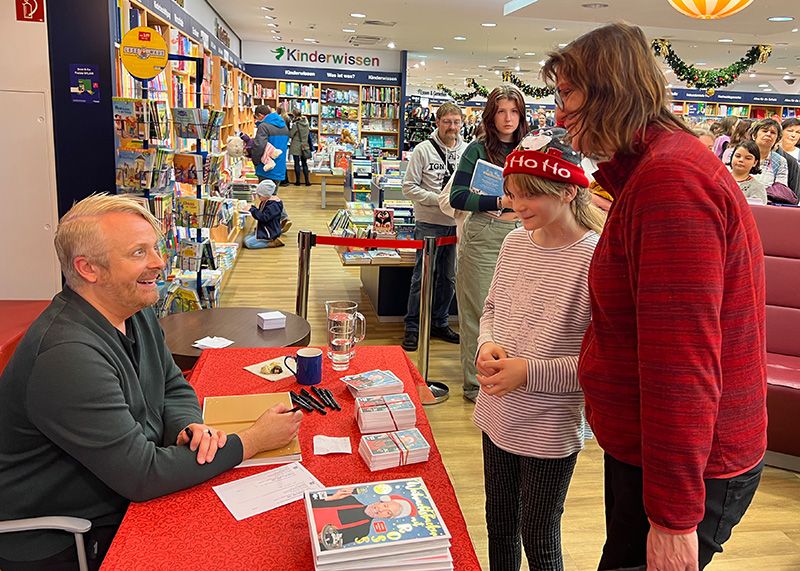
(356, 258)
(383, 221)
(130, 121)
(134, 168)
(188, 168)
(384, 254)
(487, 179)
(190, 255)
(412, 538)
(238, 412)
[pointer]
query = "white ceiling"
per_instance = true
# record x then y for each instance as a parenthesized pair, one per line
(420, 25)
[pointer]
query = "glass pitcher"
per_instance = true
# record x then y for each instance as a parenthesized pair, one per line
(344, 318)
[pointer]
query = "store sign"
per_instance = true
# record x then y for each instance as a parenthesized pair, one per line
(143, 52)
(324, 75)
(312, 56)
(735, 97)
(30, 10)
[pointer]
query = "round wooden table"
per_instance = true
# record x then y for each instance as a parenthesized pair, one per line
(235, 323)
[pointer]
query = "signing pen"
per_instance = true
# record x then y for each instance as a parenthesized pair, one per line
(311, 399)
(333, 400)
(307, 404)
(302, 403)
(323, 397)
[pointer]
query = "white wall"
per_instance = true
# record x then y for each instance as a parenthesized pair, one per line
(29, 212)
(203, 13)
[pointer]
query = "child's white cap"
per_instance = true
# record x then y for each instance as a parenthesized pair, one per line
(265, 188)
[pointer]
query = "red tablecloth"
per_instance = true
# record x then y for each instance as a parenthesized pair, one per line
(193, 530)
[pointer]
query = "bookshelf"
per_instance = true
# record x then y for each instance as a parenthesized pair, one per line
(380, 118)
(339, 109)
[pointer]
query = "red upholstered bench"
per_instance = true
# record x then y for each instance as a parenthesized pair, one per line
(15, 318)
(778, 228)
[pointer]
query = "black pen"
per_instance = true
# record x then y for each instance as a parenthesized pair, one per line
(311, 399)
(307, 404)
(302, 403)
(323, 397)
(294, 410)
(333, 400)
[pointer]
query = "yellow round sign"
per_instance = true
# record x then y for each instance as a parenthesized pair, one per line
(143, 52)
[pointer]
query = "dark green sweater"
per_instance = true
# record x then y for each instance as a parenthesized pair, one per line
(88, 422)
(461, 197)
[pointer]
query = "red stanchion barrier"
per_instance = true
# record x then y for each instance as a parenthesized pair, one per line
(379, 242)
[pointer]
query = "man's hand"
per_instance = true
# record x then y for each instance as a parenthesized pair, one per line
(205, 439)
(671, 552)
(507, 375)
(273, 429)
(489, 352)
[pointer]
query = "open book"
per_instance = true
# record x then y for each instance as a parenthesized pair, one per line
(238, 412)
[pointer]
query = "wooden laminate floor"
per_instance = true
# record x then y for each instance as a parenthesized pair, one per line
(767, 539)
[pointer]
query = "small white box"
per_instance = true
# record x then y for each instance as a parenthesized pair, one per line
(271, 320)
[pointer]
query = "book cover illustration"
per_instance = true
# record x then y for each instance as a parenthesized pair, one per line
(363, 516)
(383, 221)
(372, 379)
(411, 439)
(130, 120)
(188, 168)
(134, 168)
(380, 444)
(487, 179)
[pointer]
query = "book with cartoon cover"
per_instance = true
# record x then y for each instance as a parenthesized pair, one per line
(396, 518)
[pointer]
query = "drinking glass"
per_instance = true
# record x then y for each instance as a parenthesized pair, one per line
(341, 345)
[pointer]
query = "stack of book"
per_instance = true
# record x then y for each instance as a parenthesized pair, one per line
(383, 413)
(405, 532)
(392, 449)
(373, 383)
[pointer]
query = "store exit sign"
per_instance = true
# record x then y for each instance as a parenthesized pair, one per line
(30, 10)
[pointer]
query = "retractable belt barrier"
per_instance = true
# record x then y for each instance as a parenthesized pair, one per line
(306, 240)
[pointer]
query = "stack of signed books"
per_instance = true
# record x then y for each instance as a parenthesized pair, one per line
(377, 526)
(373, 383)
(391, 449)
(385, 413)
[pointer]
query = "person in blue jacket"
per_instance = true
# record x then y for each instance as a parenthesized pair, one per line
(268, 218)
(271, 128)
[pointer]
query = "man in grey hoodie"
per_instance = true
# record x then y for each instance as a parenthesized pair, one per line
(430, 167)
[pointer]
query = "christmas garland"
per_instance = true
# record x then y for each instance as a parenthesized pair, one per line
(476, 89)
(709, 78)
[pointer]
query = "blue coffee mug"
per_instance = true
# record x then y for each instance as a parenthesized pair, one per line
(309, 366)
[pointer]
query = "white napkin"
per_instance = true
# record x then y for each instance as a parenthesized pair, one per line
(331, 445)
(212, 343)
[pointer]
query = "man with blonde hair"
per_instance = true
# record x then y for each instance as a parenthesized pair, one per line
(94, 413)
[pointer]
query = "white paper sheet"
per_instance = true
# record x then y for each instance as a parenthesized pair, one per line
(331, 445)
(266, 491)
(212, 343)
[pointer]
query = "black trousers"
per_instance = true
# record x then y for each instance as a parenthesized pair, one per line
(524, 499)
(97, 542)
(298, 161)
(627, 525)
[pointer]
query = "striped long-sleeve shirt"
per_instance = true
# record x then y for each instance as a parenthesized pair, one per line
(538, 309)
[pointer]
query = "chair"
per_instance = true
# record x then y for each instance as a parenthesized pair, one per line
(778, 228)
(74, 525)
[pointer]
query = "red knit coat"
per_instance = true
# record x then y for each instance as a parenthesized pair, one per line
(673, 365)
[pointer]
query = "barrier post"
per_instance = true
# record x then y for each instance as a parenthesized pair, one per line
(426, 303)
(305, 241)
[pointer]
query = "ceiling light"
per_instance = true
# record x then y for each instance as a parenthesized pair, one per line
(780, 19)
(459, 38)
(312, 40)
(550, 29)
(422, 63)
(349, 30)
(497, 72)
(725, 40)
(562, 45)
(766, 89)
(763, 84)
(752, 75)
(780, 68)
(482, 66)
(542, 62)
(530, 53)
(488, 24)
(699, 63)
(422, 56)
(795, 29)
(450, 73)
(416, 66)
(516, 68)
(357, 15)
(502, 60)
(272, 25)
(438, 47)
(270, 8)
(390, 45)
(787, 76)
(595, 5)
(268, 17)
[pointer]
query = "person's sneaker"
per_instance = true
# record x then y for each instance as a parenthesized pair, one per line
(285, 225)
(445, 334)
(276, 243)
(410, 340)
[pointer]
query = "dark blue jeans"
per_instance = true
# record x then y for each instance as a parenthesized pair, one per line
(627, 525)
(444, 279)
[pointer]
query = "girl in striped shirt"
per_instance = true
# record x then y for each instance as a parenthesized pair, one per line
(530, 405)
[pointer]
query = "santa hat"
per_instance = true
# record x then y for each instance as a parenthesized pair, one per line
(544, 154)
(407, 508)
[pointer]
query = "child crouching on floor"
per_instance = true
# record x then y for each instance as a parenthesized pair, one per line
(530, 405)
(268, 218)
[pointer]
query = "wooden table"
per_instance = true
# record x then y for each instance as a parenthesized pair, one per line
(324, 185)
(235, 323)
